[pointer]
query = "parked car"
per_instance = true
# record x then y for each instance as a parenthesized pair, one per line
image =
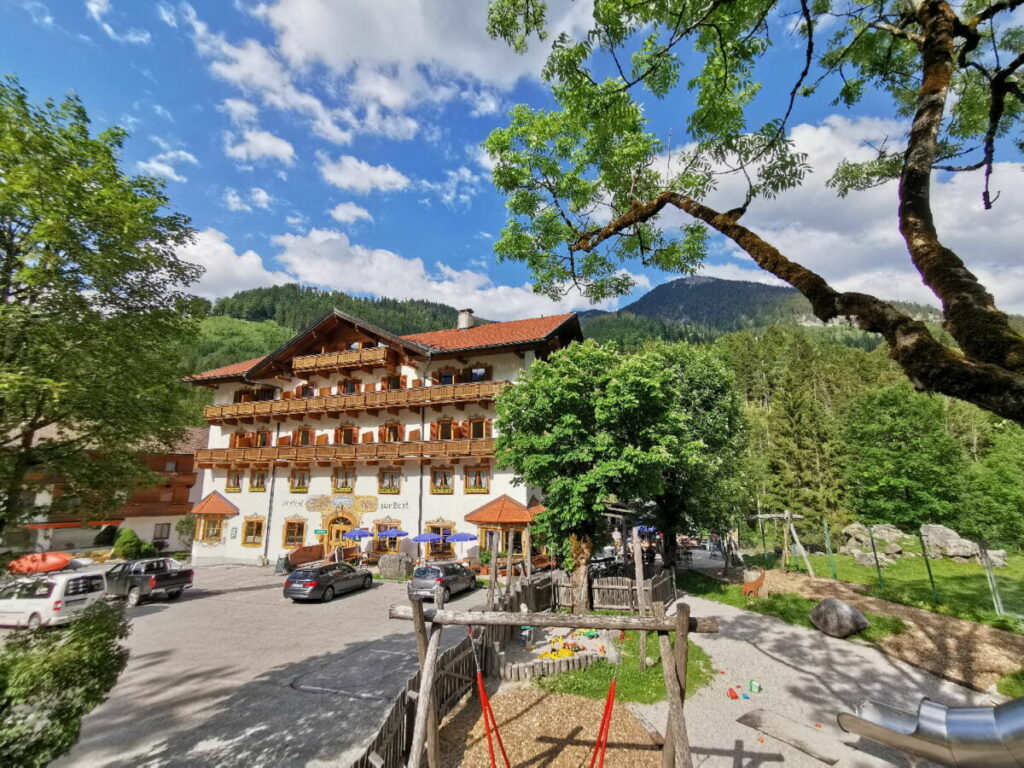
(452, 578)
(50, 599)
(323, 582)
(138, 580)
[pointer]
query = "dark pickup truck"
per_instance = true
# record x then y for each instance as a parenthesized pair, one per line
(138, 580)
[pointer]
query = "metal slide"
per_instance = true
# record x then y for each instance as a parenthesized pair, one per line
(986, 737)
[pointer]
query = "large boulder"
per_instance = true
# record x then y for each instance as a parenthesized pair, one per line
(867, 559)
(997, 557)
(395, 566)
(941, 541)
(893, 549)
(838, 619)
(856, 533)
(888, 533)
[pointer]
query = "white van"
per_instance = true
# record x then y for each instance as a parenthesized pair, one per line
(50, 599)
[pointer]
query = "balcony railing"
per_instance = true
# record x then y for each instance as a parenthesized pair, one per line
(441, 394)
(352, 358)
(425, 449)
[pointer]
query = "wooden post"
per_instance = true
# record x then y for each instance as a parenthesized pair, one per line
(799, 546)
(422, 729)
(638, 571)
(785, 542)
(527, 544)
(508, 566)
(422, 647)
(675, 732)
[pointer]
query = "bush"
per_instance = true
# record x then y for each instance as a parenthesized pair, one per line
(485, 556)
(182, 557)
(128, 545)
(160, 544)
(50, 680)
(148, 549)
(106, 537)
(185, 527)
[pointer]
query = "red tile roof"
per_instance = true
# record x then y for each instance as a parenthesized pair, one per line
(215, 504)
(491, 334)
(503, 510)
(235, 369)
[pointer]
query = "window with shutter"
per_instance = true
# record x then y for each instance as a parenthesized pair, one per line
(368, 437)
(403, 382)
(478, 479)
(257, 480)
(233, 484)
(263, 439)
(476, 429)
(488, 429)
(343, 480)
(299, 480)
(382, 434)
(414, 434)
(389, 481)
(445, 430)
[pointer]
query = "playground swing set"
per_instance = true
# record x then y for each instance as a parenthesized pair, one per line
(425, 736)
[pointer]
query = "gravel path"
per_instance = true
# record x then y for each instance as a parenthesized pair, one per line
(807, 677)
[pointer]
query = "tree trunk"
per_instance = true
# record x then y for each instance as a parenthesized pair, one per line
(580, 548)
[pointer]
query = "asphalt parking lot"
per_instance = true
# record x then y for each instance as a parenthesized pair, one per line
(233, 674)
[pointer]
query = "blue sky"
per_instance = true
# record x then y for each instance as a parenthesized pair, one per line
(336, 144)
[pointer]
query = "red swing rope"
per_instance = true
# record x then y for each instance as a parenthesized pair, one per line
(490, 722)
(601, 745)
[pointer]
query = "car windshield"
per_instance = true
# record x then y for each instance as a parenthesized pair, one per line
(426, 573)
(35, 590)
(303, 576)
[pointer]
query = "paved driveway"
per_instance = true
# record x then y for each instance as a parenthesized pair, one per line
(235, 675)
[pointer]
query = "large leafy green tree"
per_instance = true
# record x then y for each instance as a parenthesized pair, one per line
(993, 506)
(699, 488)
(50, 680)
(903, 467)
(588, 426)
(92, 313)
(587, 181)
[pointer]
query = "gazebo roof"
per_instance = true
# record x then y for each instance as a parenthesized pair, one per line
(215, 504)
(504, 510)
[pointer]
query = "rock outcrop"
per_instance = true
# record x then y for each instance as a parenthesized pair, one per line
(838, 619)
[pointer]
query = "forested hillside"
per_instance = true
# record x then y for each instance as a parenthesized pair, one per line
(296, 307)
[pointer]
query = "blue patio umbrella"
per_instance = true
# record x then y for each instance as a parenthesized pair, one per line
(357, 533)
(426, 538)
(391, 533)
(462, 537)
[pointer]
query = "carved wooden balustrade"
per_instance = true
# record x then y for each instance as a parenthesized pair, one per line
(415, 449)
(350, 358)
(334, 405)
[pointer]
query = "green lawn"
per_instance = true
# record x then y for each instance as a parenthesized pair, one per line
(1012, 685)
(793, 609)
(962, 587)
(645, 687)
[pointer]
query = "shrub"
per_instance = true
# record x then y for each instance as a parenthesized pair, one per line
(182, 557)
(160, 544)
(128, 545)
(50, 680)
(485, 556)
(148, 549)
(106, 537)
(185, 527)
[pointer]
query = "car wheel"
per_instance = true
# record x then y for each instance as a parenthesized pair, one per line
(446, 595)
(328, 595)
(368, 582)
(134, 596)
(34, 622)
(175, 594)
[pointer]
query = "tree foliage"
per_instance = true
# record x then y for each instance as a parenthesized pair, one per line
(91, 311)
(903, 467)
(50, 679)
(587, 182)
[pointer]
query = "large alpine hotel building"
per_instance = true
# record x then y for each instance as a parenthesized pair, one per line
(348, 425)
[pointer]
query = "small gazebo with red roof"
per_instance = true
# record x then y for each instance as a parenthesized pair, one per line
(504, 515)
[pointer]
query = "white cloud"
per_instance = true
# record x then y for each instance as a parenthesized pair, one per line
(258, 145)
(482, 102)
(234, 201)
(458, 188)
(240, 111)
(480, 156)
(163, 164)
(39, 12)
(166, 14)
(255, 69)
(348, 213)
(328, 258)
(260, 197)
(349, 172)
(98, 9)
(227, 270)
(163, 112)
(854, 242)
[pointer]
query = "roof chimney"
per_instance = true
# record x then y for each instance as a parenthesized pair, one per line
(465, 319)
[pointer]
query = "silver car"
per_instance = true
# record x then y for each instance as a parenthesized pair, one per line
(323, 582)
(451, 578)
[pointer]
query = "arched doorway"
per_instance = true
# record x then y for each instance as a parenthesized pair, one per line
(336, 530)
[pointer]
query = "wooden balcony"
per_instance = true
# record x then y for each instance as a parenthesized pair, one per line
(374, 357)
(420, 449)
(335, 405)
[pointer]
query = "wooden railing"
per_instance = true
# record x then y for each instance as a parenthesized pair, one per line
(351, 358)
(429, 449)
(441, 394)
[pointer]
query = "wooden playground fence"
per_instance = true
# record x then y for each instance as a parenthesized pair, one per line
(456, 675)
(619, 592)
